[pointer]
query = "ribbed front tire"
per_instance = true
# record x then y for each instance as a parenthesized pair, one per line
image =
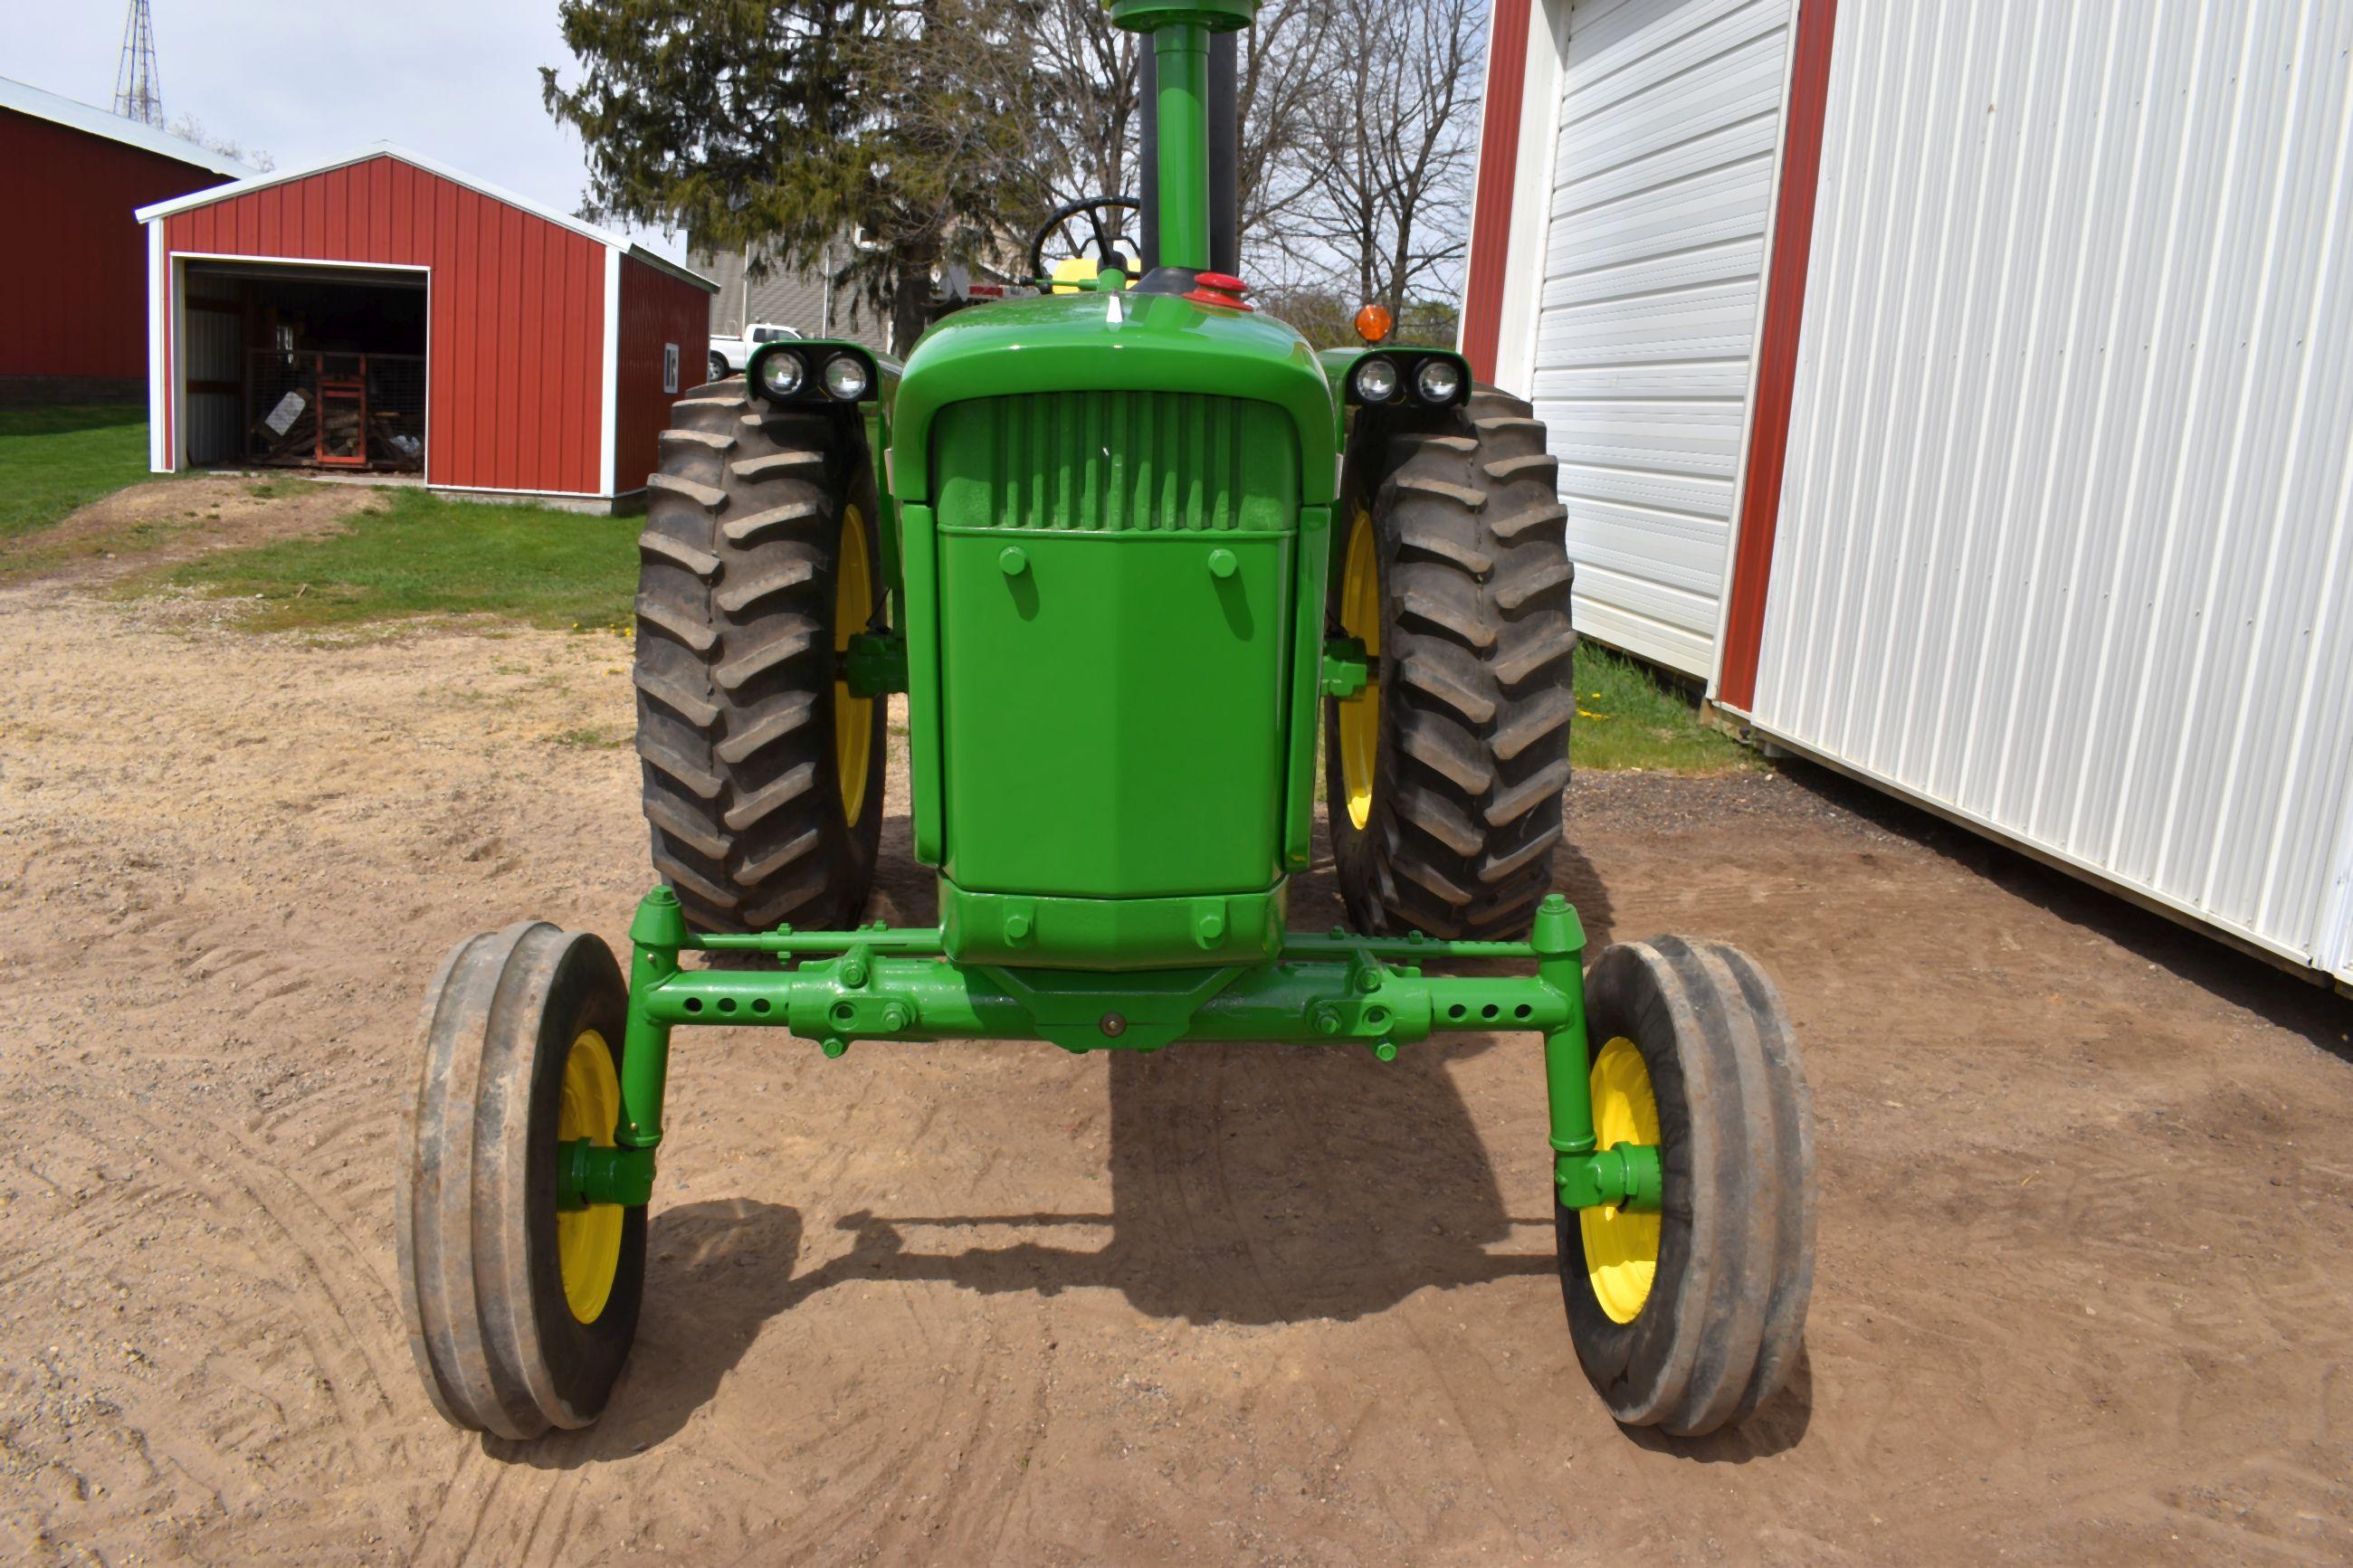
(517, 1323)
(1718, 1327)
(1446, 823)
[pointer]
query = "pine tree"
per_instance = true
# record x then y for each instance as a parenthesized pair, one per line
(775, 128)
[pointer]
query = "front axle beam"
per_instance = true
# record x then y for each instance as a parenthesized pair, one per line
(881, 984)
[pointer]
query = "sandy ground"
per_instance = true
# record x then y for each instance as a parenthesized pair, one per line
(2085, 1289)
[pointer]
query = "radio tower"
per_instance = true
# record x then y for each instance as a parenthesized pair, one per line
(138, 86)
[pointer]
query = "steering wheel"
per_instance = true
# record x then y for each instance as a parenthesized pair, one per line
(1103, 240)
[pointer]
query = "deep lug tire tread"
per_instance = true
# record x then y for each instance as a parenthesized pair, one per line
(1725, 1324)
(480, 1287)
(734, 667)
(1475, 674)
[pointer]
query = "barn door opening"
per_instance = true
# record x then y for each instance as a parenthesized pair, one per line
(304, 367)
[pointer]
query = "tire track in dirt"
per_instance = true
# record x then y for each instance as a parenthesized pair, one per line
(967, 1304)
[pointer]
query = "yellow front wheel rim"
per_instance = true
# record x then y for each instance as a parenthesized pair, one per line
(1621, 1247)
(853, 717)
(589, 1240)
(1359, 736)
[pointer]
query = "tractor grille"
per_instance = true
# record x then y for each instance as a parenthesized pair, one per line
(1117, 462)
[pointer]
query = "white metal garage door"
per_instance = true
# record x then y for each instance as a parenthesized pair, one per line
(1663, 187)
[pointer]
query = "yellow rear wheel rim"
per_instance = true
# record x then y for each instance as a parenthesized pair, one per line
(1621, 1249)
(853, 717)
(589, 1240)
(1360, 739)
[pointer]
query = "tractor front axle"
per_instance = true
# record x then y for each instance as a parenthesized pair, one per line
(897, 984)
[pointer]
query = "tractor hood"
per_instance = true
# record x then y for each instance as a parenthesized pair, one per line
(1129, 341)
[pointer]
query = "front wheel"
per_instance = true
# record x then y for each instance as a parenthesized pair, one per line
(520, 1311)
(1690, 1318)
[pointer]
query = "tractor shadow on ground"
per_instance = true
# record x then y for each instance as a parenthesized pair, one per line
(716, 1271)
(1257, 1183)
(1252, 1184)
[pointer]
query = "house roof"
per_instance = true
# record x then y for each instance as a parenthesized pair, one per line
(621, 243)
(26, 99)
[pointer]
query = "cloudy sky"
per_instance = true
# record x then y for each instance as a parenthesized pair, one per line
(455, 79)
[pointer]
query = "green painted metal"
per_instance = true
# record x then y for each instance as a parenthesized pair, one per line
(875, 664)
(1084, 416)
(882, 984)
(1111, 933)
(1133, 341)
(1213, 15)
(588, 1172)
(1181, 60)
(1116, 463)
(1308, 590)
(1123, 736)
(1624, 1174)
(657, 934)
(1347, 666)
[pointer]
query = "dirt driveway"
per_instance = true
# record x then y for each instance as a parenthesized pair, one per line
(2086, 1258)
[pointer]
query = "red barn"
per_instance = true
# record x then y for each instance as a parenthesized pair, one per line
(72, 286)
(381, 311)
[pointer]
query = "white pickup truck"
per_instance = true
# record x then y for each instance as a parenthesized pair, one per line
(730, 355)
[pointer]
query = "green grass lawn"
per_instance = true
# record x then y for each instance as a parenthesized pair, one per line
(416, 554)
(54, 460)
(1627, 718)
(419, 554)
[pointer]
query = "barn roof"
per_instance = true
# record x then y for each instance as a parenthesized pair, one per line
(622, 243)
(26, 99)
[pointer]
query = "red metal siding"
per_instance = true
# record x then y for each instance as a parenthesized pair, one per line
(73, 276)
(656, 309)
(514, 395)
(1777, 351)
(1499, 165)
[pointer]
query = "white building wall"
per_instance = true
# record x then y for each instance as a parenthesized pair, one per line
(1663, 157)
(2063, 540)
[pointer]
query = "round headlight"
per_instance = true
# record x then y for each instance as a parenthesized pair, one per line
(1375, 381)
(1438, 381)
(845, 377)
(782, 372)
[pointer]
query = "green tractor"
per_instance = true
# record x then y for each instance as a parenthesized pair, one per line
(1129, 548)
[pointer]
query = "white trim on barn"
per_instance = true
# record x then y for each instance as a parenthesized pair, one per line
(158, 398)
(611, 416)
(1659, 188)
(1531, 180)
(167, 393)
(604, 236)
(91, 120)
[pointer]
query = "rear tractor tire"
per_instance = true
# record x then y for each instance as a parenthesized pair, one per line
(763, 775)
(1445, 774)
(519, 1315)
(1691, 1318)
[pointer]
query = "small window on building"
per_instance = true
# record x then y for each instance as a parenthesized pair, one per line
(669, 368)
